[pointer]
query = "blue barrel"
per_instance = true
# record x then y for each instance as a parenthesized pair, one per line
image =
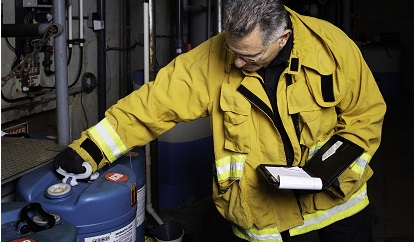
(13, 228)
(135, 159)
(185, 161)
(102, 210)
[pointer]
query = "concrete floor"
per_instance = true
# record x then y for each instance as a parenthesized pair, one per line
(389, 189)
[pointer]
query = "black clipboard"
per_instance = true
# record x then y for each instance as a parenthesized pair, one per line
(329, 162)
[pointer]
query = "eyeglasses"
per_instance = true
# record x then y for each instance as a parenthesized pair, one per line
(247, 58)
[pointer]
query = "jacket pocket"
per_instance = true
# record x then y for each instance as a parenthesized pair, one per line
(233, 205)
(316, 121)
(236, 112)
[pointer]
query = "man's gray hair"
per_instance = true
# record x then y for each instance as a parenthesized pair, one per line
(242, 16)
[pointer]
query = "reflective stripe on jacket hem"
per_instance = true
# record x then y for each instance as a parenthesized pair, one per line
(108, 140)
(323, 218)
(312, 221)
(254, 235)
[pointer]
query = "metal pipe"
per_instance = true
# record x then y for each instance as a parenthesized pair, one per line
(23, 30)
(146, 42)
(219, 8)
(70, 25)
(152, 44)
(152, 75)
(101, 45)
(81, 22)
(179, 43)
(61, 74)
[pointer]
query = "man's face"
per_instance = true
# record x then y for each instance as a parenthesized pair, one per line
(251, 54)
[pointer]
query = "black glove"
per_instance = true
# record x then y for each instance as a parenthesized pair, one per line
(69, 161)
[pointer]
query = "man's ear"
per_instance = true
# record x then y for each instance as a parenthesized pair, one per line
(284, 37)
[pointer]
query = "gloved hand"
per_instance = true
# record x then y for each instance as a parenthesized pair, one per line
(70, 161)
(80, 153)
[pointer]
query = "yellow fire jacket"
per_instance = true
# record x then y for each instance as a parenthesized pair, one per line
(328, 87)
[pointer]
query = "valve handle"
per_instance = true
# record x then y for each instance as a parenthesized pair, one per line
(86, 174)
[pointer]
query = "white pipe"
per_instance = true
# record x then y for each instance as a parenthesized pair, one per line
(70, 25)
(149, 207)
(81, 22)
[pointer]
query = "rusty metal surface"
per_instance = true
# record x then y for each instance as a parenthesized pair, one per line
(21, 155)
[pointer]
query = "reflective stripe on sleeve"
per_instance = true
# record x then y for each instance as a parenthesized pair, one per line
(108, 140)
(230, 167)
(315, 147)
(323, 218)
(361, 163)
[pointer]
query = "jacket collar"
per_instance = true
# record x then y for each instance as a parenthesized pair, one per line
(311, 46)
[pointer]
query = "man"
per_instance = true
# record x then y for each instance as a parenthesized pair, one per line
(276, 86)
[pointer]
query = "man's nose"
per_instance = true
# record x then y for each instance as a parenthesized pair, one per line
(239, 62)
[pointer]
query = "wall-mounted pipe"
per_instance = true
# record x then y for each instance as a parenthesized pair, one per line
(148, 75)
(219, 16)
(23, 30)
(101, 45)
(70, 25)
(61, 74)
(179, 43)
(81, 22)
(152, 74)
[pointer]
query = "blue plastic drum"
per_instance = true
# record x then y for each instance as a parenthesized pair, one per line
(15, 226)
(102, 210)
(185, 159)
(136, 161)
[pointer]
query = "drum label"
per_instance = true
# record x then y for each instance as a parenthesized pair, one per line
(125, 234)
(116, 177)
